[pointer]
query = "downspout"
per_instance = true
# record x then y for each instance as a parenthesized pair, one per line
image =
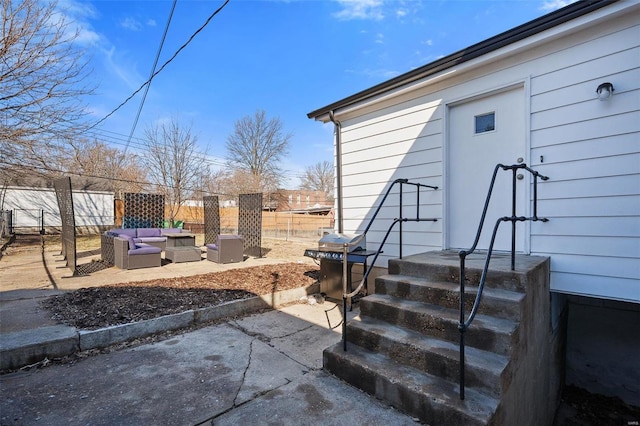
(338, 130)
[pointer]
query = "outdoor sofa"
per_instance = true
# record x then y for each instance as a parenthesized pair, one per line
(152, 236)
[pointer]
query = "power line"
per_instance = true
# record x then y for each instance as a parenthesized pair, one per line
(115, 140)
(109, 178)
(153, 69)
(163, 65)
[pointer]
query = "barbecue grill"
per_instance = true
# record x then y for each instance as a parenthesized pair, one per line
(331, 254)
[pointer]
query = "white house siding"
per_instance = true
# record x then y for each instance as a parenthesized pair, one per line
(91, 208)
(381, 147)
(590, 149)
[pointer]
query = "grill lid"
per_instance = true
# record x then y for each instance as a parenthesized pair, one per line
(336, 242)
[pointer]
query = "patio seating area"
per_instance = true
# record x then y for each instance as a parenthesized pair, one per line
(144, 248)
(39, 267)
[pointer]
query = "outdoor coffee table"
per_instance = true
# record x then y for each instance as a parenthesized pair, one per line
(182, 239)
(183, 254)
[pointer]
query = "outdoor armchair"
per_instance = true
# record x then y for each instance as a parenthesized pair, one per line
(227, 249)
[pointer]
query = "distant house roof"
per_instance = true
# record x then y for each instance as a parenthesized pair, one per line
(317, 210)
(77, 183)
(521, 32)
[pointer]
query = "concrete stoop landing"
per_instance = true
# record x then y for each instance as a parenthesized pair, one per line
(404, 346)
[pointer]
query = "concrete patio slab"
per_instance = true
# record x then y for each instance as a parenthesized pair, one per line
(262, 369)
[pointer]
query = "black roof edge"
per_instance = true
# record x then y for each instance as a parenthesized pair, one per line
(543, 23)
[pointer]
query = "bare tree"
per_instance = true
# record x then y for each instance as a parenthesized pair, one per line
(231, 183)
(214, 182)
(173, 163)
(42, 74)
(319, 177)
(257, 146)
(97, 161)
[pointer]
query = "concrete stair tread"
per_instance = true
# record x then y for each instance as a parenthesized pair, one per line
(430, 398)
(498, 293)
(500, 261)
(497, 325)
(445, 266)
(490, 362)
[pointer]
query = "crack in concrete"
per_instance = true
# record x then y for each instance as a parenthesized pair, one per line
(235, 398)
(258, 395)
(244, 375)
(294, 332)
(235, 404)
(264, 338)
(267, 340)
(238, 327)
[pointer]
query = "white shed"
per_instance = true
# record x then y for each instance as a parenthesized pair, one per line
(36, 207)
(525, 96)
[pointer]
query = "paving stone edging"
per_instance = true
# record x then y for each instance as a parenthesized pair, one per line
(27, 347)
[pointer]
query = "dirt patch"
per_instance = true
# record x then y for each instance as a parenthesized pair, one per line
(582, 408)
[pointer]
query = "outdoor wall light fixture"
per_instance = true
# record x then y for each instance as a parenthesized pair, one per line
(605, 91)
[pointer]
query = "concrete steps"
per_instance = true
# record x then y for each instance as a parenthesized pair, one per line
(444, 266)
(484, 370)
(426, 397)
(404, 346)
(496, 302)
(490, 333)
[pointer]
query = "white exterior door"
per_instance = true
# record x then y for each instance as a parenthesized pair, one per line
(482, 133)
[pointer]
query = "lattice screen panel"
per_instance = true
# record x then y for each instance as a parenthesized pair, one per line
(250, 223)
(58, 186)
(211, 218)
(143, 210)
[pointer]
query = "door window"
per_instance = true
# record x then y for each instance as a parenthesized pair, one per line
(485, 123)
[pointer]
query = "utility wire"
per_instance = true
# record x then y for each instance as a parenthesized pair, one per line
(153, 69)
(89, 175)
(163, 65)
(120, 139)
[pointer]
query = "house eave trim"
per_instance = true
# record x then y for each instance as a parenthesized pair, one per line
(514, 35)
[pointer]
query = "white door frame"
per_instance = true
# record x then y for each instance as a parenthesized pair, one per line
(525, 85)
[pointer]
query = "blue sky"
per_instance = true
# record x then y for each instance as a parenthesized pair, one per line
(285, 57)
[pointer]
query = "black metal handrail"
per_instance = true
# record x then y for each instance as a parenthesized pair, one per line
(399, 220)
(463, 324)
